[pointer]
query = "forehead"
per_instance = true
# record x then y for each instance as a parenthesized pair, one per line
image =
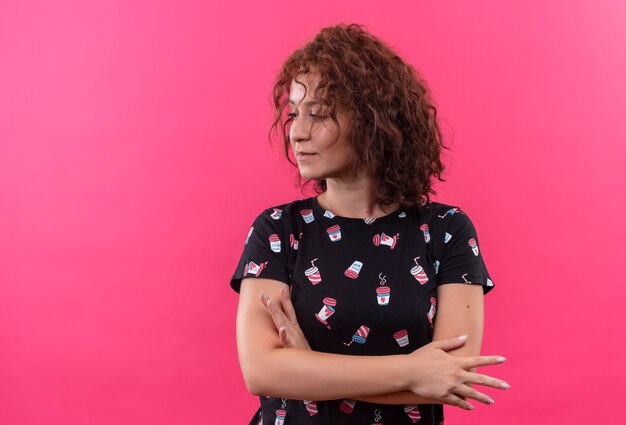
(303, 84)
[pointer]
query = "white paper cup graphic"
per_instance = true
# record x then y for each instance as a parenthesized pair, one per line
(424, 229)
(437, 266)
(254, 268)
(383, 294)
(353, 271)
(311, 407)
(328, 214)
(402, 214)
(369, 220)
(327, 310)
(280, 417)
(418, 273)
(384, 239)
(447, 237)
(276, 214)
(307, 215)
(274, 242)
(334, 233)
(472, 243)
(413, 411)
(402, 337)
(347, 406)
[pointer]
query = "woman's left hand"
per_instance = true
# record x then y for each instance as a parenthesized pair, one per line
(284, 317)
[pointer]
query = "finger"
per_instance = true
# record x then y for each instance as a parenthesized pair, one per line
(479, 378)
(282, 335)
(450, 343)
(469, 392)
(288, 305)
(474, 361)
(277, 315)
(455, 400)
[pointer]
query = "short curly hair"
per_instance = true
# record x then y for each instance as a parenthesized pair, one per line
(394, 137)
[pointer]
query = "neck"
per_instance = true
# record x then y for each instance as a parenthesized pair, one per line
(352, 199)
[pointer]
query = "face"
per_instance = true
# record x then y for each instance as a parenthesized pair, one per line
(320, 148)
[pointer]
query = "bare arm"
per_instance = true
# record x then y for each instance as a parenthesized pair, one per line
(430, 372)
(459, 312)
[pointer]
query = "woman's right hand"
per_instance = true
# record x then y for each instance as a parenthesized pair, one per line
(443, 377)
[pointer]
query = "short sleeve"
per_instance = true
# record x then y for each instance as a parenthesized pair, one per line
(461, 259)
(264, 251)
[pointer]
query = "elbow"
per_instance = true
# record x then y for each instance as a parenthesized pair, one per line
(254, 384)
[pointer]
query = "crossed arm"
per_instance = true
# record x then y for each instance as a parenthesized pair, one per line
(272, 367)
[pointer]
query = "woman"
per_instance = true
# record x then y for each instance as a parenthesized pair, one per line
(365, 287)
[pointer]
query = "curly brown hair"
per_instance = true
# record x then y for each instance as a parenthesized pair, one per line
(394, 137)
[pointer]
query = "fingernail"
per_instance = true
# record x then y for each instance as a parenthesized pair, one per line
(490, 401)
(462, 337)
(501, 359)
(470, 407)
(263, 295)
(505, 385)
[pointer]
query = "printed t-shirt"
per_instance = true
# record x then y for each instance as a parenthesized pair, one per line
(361, 287)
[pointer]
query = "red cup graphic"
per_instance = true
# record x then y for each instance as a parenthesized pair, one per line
(413, 411)
(307, 215)
(313, 273)
(433, 309)
(419, 273)
(334, 233)
(249, 233)
(402, 337)
(383, 294)
(360, 336)
(347, 405)
(424, 229)
(311, 407)
(353, 271)
(274, 242)
(472, 243)
(254, 268)
(327, 310)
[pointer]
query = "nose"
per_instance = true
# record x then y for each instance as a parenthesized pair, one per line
(300, 130)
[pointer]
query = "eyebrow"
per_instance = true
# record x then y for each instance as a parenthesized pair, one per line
(307, 103)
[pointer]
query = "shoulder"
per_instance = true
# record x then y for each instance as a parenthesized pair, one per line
(282, 217)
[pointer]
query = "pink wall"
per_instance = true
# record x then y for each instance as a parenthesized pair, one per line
(133, 157)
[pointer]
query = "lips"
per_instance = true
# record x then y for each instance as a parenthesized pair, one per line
(304, 155)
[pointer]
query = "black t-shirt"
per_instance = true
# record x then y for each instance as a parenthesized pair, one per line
(361, 287)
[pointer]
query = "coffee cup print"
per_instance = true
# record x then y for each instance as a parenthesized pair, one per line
(413, 411)
(274, 242)
(327, 310)
(402, 337)
(311, 407)
(433, 309)
(418, 272)
(436, 265)
(249, 233)
(424, 229)
(447, 237)
(360, 336)
(369, 220)
(313, 273)
(334, 233)
(402, 215)
(347, 406)
(353, 271)
(276, 214)
(307, 215)
(280, 416)
(489, 282)
(472, 243)
(383, 239)
(383, 294)
(254, 268)
(328, 214)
